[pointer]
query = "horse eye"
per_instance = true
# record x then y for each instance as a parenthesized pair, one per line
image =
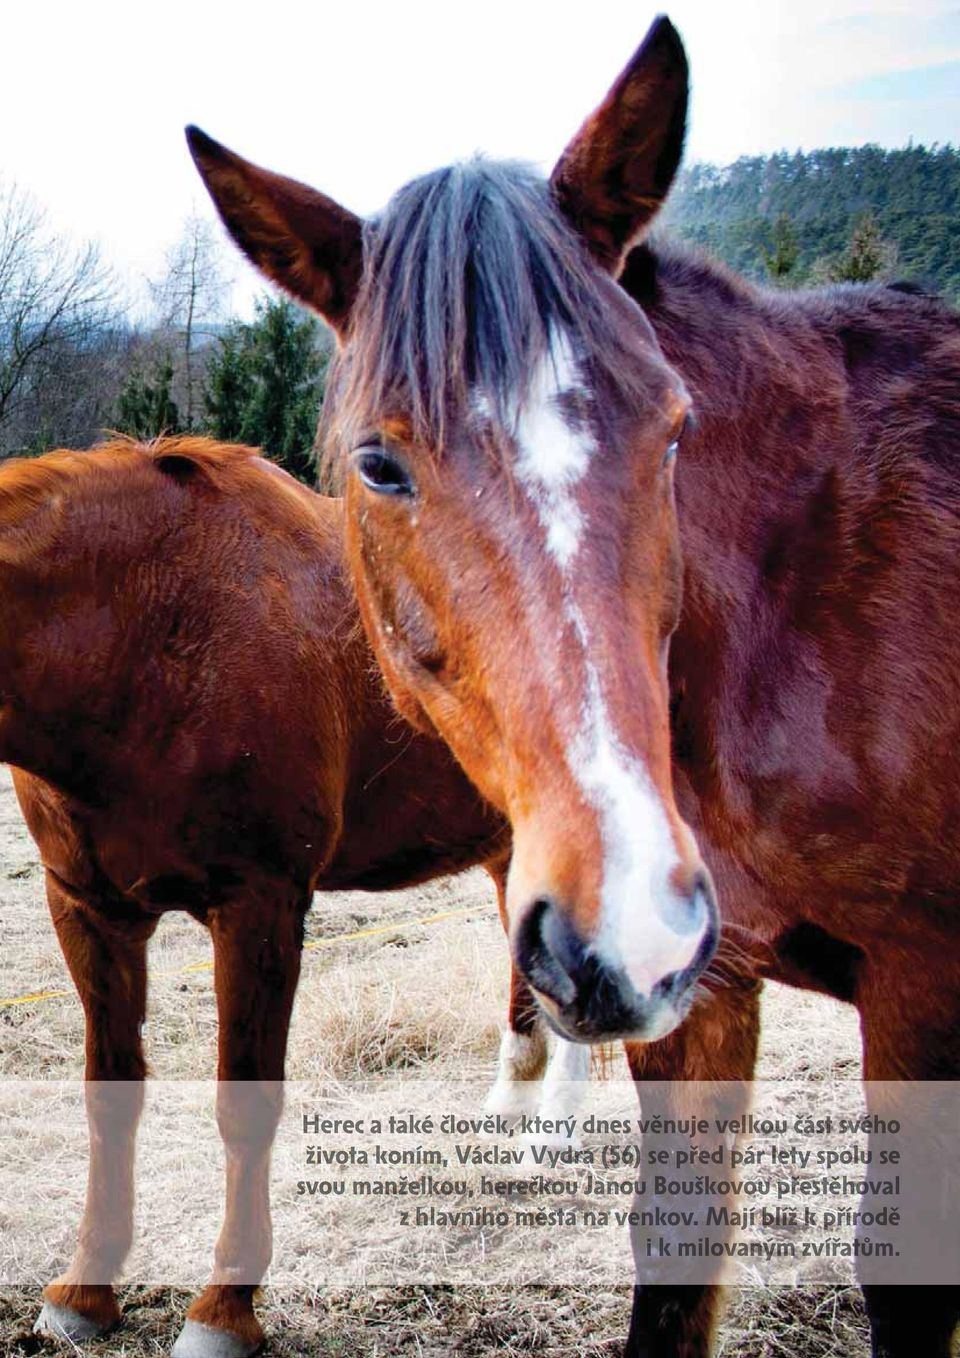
(382, 472)
(671, 452)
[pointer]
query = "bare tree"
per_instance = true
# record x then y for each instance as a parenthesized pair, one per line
(56, 298)
(190, 300)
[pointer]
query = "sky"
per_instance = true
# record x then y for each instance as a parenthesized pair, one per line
(358, 98)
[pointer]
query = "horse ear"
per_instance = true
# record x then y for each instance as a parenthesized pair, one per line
(300, 239)
(613, 177)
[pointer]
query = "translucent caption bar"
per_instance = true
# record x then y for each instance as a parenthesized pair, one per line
(779, 1183)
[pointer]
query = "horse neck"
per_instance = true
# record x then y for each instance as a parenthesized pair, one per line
(771, 417)
(770, 399)
(768, 501)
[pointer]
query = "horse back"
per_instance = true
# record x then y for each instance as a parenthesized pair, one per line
(178, 659)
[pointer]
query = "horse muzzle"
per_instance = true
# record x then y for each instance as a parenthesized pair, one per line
(587, 997)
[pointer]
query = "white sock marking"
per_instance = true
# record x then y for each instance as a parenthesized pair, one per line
(516, 1089)
(564, 1086)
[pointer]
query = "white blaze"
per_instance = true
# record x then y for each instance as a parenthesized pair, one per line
(637, 896)
(553, 458)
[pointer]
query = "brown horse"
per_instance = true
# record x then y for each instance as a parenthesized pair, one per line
(546, 583)
(196, 723)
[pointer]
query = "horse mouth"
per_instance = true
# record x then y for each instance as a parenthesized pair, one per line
(586, 999)
(656, 1022)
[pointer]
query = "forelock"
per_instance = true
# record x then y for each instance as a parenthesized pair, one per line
(470, 275)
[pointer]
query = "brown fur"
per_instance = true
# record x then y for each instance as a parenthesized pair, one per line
(196, 723)
(814, 666)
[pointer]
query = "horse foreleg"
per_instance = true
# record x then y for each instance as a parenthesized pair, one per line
(106, 955)
(717, 1042)
(257, 948)
(523, 1047)
(564, 1083)
(903, 1043)
(527, 1083)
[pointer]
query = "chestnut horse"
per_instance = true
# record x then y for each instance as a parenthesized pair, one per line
(546, 583)
(196, 723)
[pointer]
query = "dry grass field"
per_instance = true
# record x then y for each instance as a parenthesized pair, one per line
(373, 1005)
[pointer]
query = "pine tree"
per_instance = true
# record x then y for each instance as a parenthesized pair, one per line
(265, 384)
(145, 407)
(868, 255)
(781, 261)
(287, 368)
(228, 385)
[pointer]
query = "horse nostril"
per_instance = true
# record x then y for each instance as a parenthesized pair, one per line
(702, 884)
(691, 905)
(700, 898)
(544, 952)
(561, 941)
(664, 986)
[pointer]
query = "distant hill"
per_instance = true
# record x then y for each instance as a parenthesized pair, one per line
(913, 194)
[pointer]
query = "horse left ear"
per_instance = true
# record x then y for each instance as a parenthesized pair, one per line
(299, 238)
(612, 179)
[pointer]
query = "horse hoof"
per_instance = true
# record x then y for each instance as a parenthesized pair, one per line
(59, 1322)
(512, 1099)
(544, 1142)
(197, 1340)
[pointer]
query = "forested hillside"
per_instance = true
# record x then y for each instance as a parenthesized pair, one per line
(746, 213)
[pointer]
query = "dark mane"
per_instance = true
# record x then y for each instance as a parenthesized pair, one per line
(664, 262)
(468, 273)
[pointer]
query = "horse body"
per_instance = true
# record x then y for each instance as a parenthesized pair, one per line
(189, 696)
(815, 674)
(194, 722)
(508, 426)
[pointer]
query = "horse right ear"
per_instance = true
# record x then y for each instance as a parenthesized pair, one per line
(308, 244)
(611, 180)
